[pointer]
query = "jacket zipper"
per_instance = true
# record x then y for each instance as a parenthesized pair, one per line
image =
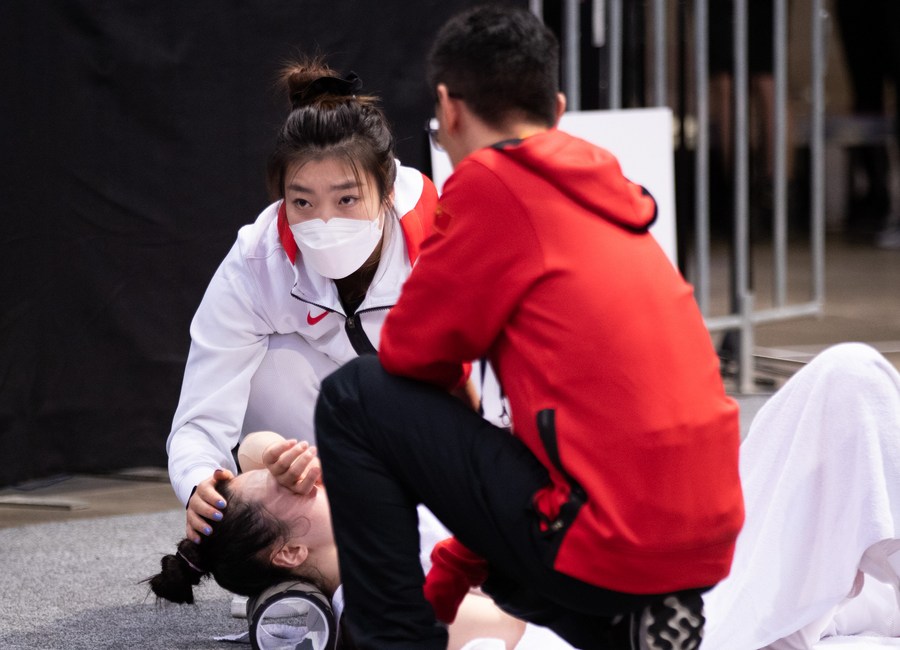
(352, 326)
(357, 335)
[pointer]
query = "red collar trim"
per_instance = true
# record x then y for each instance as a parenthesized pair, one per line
(285, 234)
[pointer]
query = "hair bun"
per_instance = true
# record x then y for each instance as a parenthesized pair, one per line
(175, 581)
(333, 86)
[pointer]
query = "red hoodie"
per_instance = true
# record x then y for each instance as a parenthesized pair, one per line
(541, 261)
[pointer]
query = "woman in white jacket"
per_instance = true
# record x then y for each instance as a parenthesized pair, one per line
(304, 289)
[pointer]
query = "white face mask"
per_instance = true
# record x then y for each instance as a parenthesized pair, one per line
(337, 247)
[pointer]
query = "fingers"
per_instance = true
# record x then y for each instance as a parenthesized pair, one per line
(223, 474)
(293, 464)
(205, 505)
(309, 478)
(196, 526)
(272, 455)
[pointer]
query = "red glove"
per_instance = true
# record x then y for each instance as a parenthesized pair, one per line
(454, 570)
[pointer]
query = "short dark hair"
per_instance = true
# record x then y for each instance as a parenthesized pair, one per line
(501, 60)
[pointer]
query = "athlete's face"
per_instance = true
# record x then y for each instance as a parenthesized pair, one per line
(307, 515)
(326, 188)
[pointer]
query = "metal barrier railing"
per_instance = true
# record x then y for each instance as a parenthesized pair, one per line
(743, 316)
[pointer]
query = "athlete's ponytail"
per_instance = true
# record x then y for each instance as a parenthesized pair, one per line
(237, 554)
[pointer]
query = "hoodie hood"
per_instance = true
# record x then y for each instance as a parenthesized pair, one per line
(589, 175)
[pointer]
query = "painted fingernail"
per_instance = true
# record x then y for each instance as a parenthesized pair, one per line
(196, 540)
(220, 503)
(217, 516)
(207, 530)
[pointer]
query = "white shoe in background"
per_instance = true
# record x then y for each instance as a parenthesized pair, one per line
(239, 606)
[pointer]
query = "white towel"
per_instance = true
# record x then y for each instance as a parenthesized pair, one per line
(857, 643)
(821, 475)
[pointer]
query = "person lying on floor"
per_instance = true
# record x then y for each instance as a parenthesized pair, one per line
(278, 529)
(818, 558)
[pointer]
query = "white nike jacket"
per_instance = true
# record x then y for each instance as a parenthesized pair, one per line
(263, 288)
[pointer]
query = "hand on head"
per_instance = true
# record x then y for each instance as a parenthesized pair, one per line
(205, 505)
(294, 464)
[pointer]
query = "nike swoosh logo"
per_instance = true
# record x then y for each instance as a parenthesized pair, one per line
(312, 320)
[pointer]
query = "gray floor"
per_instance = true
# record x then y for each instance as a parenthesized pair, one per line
(62, 539)
(78, 585)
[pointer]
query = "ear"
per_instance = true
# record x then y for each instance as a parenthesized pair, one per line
(449, 108)
(290, 556)
(560, 107)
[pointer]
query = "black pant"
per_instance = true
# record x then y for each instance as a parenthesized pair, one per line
(389, 443)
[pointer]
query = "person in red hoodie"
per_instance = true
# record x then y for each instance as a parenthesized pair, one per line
(614, 501)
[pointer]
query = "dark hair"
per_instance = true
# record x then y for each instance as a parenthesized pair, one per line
(236, 554)
(327, 119)
(502, 61)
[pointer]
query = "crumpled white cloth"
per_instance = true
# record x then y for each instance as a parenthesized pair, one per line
(858, 643)
(821, 474)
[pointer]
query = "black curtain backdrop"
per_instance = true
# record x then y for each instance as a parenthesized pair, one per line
(133, 141)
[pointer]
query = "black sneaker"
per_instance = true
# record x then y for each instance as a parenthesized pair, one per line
(673, 623)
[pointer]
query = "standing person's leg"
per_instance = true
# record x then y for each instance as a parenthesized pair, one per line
(388, 443)
(865, 31)
(890, 236)
(891, 22)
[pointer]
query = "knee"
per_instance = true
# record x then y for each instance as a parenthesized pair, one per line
(858, 370)
(349, 380)
(342, 398)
